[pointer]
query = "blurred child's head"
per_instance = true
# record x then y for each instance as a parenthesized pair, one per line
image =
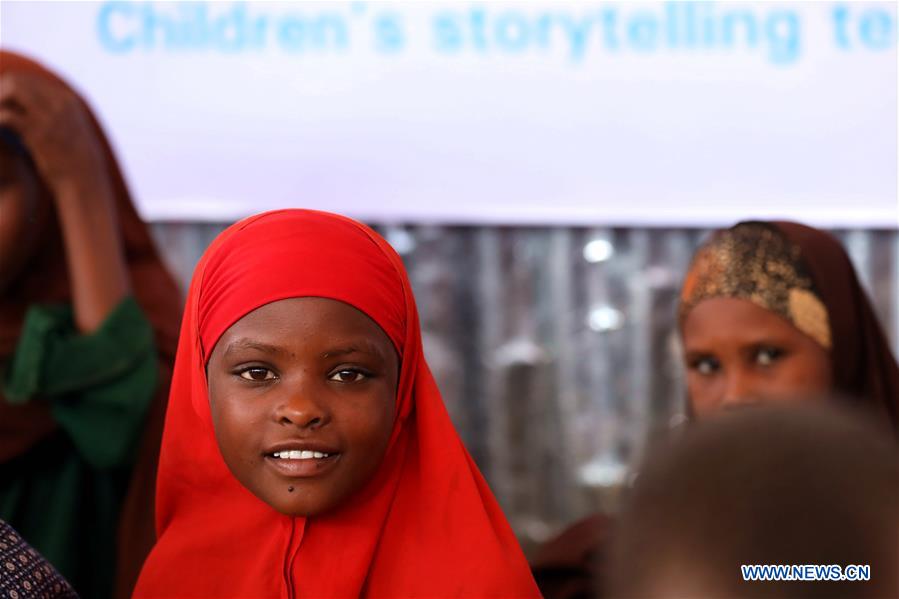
(778, 484)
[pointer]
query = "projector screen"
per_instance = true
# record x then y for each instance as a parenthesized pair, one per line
(540, 113)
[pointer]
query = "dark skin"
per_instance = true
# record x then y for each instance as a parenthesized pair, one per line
(303, 375)
(23, 206)
(69, 163)
(738, 353)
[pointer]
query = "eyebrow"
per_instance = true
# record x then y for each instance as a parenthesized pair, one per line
(249, 344)
(361, 347)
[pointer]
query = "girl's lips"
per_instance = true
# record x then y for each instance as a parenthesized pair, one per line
(308, 468)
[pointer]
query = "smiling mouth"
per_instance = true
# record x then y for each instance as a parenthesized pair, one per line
(294, 454)
(301, 463)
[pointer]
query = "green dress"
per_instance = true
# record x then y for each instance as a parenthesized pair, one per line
(64, 494)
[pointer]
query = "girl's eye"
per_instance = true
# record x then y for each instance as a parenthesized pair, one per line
(348, 376)
(705, 366)
(257, 373)
(766, 356)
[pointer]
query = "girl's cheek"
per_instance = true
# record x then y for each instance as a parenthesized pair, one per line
(704, 392)
(698, 383)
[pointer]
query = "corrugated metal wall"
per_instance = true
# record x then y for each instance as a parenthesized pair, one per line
(555, 348)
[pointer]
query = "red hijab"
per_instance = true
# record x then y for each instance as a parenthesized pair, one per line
(426, 525)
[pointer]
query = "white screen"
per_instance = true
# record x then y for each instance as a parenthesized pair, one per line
(539, 113)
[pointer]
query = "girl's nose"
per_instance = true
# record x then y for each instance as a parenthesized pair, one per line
(301, 409)
(739, 390)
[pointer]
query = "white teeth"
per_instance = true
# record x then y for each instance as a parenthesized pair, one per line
(295, 454)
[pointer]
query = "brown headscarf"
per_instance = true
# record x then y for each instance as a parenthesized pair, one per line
(804, 275)
(46, 280)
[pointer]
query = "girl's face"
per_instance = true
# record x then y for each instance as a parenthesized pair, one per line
(302, 393)
(737, 352)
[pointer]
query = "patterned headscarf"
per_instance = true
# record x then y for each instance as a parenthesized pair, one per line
(755, 262)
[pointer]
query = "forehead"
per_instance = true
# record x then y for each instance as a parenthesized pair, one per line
(732, 320)
(295, 323)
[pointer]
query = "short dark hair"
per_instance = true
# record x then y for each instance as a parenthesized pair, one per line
(774, 484)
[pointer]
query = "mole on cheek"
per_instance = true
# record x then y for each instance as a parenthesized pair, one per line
(290, 489)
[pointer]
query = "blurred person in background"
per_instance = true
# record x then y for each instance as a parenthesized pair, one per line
(779, 484)
(88, 329)
(775, 312)
(769, 312)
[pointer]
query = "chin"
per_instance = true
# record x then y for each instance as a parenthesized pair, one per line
(293, 511)
(295, 508)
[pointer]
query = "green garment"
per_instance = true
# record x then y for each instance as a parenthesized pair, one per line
(64, 495)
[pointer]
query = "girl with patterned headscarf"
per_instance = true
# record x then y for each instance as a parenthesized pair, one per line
(768, 310)
(775, 310)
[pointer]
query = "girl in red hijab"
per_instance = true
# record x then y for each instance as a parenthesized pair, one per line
(307, 451)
